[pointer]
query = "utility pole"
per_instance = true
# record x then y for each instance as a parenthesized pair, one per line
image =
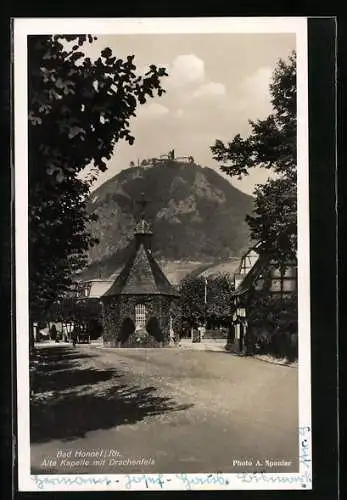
(205, 291)
(203, 329)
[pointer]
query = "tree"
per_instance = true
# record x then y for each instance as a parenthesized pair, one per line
(78, 111)
(191, 301)
(192, 308)
(219, 307)
(271, 145)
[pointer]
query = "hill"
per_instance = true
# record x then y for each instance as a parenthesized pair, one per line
(198, 217)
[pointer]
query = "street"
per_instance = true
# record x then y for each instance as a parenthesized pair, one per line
(99, 410)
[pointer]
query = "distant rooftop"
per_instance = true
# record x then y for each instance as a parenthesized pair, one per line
(94, 289)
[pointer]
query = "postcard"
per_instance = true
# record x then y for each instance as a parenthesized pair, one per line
(162, 254)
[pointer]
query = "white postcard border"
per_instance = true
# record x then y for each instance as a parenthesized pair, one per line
(100, 482)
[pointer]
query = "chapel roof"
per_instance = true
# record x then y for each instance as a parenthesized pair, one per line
(141, 274)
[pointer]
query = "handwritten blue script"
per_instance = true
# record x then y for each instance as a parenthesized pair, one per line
(42, 481)
(305, 448)
(189, 481)
(136, 481)
(256, 477)
(145, 480)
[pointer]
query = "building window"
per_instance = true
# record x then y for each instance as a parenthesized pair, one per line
(289, 285)
(276, 285)
(276, 273)
(140, 316)
(259, 283)
(284, 282)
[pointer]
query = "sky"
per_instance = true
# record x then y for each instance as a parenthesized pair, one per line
(216, 83)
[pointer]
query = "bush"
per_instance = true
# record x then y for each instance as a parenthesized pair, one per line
(274, 323)
(143, 340)
(278, 344)
(216, 334)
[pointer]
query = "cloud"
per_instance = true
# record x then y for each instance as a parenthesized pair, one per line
(153, 110)
(186, 69)
(211, 89)
(178, 113)
(250, 98)
(258, 83)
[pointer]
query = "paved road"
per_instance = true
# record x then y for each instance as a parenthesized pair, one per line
(171, 410)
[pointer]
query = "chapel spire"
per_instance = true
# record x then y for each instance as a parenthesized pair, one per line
(143, 230)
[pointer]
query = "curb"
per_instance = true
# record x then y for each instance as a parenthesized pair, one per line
(274, 362)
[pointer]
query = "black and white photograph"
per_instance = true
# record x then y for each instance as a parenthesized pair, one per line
(162, 254)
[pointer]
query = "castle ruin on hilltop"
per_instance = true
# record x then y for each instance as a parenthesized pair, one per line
(163, 159)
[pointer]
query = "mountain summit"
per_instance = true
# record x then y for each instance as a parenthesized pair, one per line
(196, 215)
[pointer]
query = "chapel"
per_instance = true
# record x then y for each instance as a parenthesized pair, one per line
(136, 307)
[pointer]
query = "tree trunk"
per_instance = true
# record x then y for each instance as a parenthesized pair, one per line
(250, 341)
(231, 334)
(31, 337)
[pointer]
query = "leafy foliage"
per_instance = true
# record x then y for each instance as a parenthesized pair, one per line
(78, 110)
(271, 145)
(274, 220)
(273, 321)
(86, 315)
(193, 310)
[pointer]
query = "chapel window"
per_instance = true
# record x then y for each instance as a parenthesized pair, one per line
(140, 316)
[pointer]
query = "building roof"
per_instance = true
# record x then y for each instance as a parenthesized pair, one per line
(97, 288)
(263, 264)
(141, 276)
(229, 266)
(253, 274)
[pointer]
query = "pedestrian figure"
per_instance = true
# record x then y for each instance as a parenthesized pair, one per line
(53, 333)
(74, 335)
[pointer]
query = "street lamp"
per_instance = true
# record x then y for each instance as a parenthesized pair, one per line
(102, 305)
(239, 320)
(241, 314)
